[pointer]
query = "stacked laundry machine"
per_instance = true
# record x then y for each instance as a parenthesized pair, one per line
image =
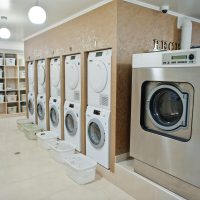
(55, 99)
(31, 94)
(72, 107)
(41, 98)
(99, 106)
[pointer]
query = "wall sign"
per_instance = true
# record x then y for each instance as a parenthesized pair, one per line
(166, 45)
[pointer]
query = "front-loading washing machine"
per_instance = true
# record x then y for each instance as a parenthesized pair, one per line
(55, 77)
(31, 107)
(98, 135)
(41, 71)
(31, 76)
(55, 116)
(99, 78)
(41, 111)
(73, 78)
(165, 128)
(72, 124)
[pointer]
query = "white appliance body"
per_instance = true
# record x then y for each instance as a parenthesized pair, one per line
(31, 76)
(41, 71)
(73, 78)
(72, 124)
(98, 135)
(31, 107)
(99, 79)
(55, 116)
(55, 77)
(41, 111)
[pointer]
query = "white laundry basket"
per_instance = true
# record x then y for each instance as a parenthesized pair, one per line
(60, 149)
(1, 62)
(1, 98)
(11, 98)
(23, 97)
(12, 109)
(1, 73)
(1, 86)
(23, 108)
(44, 138)
(10, 61)
(31, 130)
(80, 168)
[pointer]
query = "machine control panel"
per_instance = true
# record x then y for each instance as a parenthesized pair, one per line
(178, 58)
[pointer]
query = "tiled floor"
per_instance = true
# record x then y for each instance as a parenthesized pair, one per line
(33, 175)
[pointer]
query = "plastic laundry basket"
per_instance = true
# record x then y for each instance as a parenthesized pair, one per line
(44, 138)
(21, 122)
(1, 98)
(80, 168)
(1, 73)
(60, 149)
(31, 130)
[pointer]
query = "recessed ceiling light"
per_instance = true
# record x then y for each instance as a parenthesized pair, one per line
(4, 33)
(37, 15)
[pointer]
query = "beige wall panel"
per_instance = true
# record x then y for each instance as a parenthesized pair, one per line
(195, 33)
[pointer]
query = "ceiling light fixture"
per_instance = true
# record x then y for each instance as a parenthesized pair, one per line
(4, 32)
(37, 15)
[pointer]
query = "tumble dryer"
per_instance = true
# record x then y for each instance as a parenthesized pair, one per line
(41, 111)
(72, 124)
(31, 76)
(55, 77)
(99, 78)
(41, 71)
(31, 107)
(98, 135)
(55, 116)
(165, 128)
(73, 78)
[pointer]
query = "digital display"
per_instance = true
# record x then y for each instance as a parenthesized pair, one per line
(99, 54)
(181, 57)
(97, 112)
(72, 57)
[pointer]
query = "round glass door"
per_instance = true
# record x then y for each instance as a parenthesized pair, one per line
(71, 123)
(98, 76)
(167, 107)
(96, 133)
(31, 106)
(72, 76)
(40, 111)
(54, 116)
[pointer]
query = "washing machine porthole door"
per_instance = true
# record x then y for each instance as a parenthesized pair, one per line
(167, 107)
(73, 76)
(54, 116)
(31, 106)
(96, 133)
(99, 76)
(41, 75)
(40, 111)
(71, 123)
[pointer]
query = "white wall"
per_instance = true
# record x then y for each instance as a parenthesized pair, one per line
(9, 45)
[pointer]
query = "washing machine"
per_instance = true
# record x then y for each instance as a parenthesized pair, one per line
(31, 76)
(73, 78)
(41, 70)
(99, 78)
(72, 124)
(98, 135)
(55, 77)
(41, 111)
(55, 116)
(31, 107)
(165, 128)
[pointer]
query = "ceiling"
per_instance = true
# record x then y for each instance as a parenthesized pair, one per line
(58, 10)
(189, 8)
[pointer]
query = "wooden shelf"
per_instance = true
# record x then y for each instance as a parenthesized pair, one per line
(11, 79)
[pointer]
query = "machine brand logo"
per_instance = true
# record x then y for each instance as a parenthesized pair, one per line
(165, 45)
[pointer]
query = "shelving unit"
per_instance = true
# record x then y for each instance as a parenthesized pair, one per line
(12, 76)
